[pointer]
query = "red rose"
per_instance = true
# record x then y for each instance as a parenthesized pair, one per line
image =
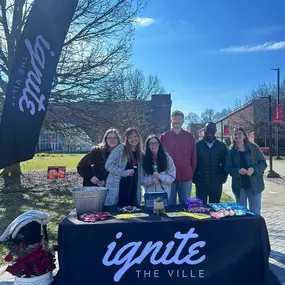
(55, 247)
(135, 162)
(33, 251)
(22, 265)
(17, 250)
(154, 159)
(28, 271)
(19, 259)
(32, 259)
(26, 255)
(21, 245)
(13, 269)
(8, 257)
(38, 268)
(39, 247)
(89, 161)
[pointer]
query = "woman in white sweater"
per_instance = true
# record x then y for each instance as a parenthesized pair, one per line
(158, 168)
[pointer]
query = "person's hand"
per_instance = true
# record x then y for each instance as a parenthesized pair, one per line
(131, 172)
(155, 175)
(101, 183)
(155, 181)
(242, 171)
(95, 180)
(250, 171)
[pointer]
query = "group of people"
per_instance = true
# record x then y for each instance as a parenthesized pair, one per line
(172, 162)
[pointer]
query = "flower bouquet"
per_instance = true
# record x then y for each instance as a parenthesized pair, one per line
(36, 262)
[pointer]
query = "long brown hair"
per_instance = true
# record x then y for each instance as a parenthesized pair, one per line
(127, 146)
(246, 140)
(248, 144)
(104, 144)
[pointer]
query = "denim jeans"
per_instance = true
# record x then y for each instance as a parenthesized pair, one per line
(254, 201)
(184, 191)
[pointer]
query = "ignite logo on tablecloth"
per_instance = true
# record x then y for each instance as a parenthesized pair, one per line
(125, 259)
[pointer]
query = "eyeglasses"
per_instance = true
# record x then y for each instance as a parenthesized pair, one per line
(153, 144)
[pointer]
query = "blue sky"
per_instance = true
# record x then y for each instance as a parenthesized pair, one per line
(208, 53)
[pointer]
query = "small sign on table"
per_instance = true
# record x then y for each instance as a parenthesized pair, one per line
(149, 198)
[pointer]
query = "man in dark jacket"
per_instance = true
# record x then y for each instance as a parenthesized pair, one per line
(210, 175)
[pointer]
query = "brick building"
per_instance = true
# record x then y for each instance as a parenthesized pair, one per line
(149, 116)
(253, 117)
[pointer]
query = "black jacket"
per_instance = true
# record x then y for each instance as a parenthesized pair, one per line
(210, 164)
(97, 157)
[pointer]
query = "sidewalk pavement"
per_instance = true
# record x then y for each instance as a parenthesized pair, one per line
(273, 211)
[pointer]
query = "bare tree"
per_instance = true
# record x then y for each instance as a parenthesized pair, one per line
(125, 103)
(192, 118)
(261, 91)
(222, 114)
(208, 115)
(97, 45)
(131, 91)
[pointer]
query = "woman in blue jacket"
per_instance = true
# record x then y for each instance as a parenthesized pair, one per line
(246, 164)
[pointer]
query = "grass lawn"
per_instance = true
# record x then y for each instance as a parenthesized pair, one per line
(57, 202)
(39, 193)
(42, 163)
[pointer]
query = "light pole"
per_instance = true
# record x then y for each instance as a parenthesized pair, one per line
(278, 102)
(271, 173)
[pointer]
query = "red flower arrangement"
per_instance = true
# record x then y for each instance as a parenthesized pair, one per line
(31, 261)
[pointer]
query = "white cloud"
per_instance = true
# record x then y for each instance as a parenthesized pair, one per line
(268, 46)
(182, 22)
(144, 21)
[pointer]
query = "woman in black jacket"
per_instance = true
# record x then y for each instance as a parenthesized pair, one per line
(92, 166)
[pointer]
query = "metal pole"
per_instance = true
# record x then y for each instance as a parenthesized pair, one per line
(222, 131)
(278, 102)
(270, 132)
(271, 173)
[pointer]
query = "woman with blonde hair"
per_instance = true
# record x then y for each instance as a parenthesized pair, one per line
(246, 164)
(125, 172)
(92, 166)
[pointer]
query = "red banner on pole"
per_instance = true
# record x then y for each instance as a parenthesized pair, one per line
(277, 114)
(226, 130)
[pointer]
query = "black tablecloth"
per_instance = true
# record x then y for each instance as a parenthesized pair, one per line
(229, 251)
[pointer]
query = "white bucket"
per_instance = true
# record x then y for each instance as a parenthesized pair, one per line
(89, 199)
(45, 279)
